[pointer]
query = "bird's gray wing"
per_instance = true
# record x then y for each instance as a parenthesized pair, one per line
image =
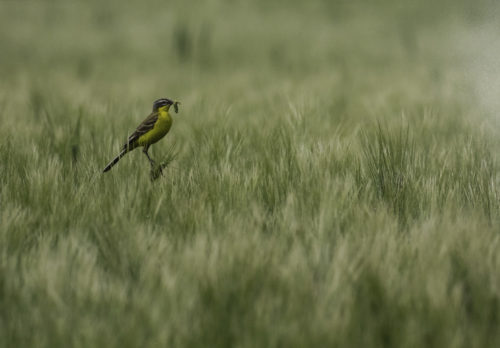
(142, 129)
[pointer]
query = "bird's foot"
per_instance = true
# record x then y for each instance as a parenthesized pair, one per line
(156, 172)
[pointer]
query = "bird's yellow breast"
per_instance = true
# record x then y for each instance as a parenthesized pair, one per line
(160, 129)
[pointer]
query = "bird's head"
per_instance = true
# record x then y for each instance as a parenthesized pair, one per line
(165, 103)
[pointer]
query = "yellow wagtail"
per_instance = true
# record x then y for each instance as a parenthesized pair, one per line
(152, 129)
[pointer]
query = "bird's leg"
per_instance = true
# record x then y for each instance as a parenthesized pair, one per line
(155, 171)
(145, 150)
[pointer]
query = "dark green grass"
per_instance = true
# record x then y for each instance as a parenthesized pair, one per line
(330, 181)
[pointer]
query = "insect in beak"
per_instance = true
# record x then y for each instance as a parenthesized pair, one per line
(176, 106)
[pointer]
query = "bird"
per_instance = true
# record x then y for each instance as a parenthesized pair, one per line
(152, 129)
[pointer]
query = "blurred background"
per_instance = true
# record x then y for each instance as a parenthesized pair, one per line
(354, 57)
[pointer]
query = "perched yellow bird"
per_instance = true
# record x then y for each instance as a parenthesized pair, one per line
(152, 129)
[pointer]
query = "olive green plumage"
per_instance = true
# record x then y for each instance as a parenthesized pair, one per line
(152, 129)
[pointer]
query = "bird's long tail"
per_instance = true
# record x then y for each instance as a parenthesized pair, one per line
(115, 160)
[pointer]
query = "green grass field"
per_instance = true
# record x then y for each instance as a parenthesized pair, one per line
(336, 180)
